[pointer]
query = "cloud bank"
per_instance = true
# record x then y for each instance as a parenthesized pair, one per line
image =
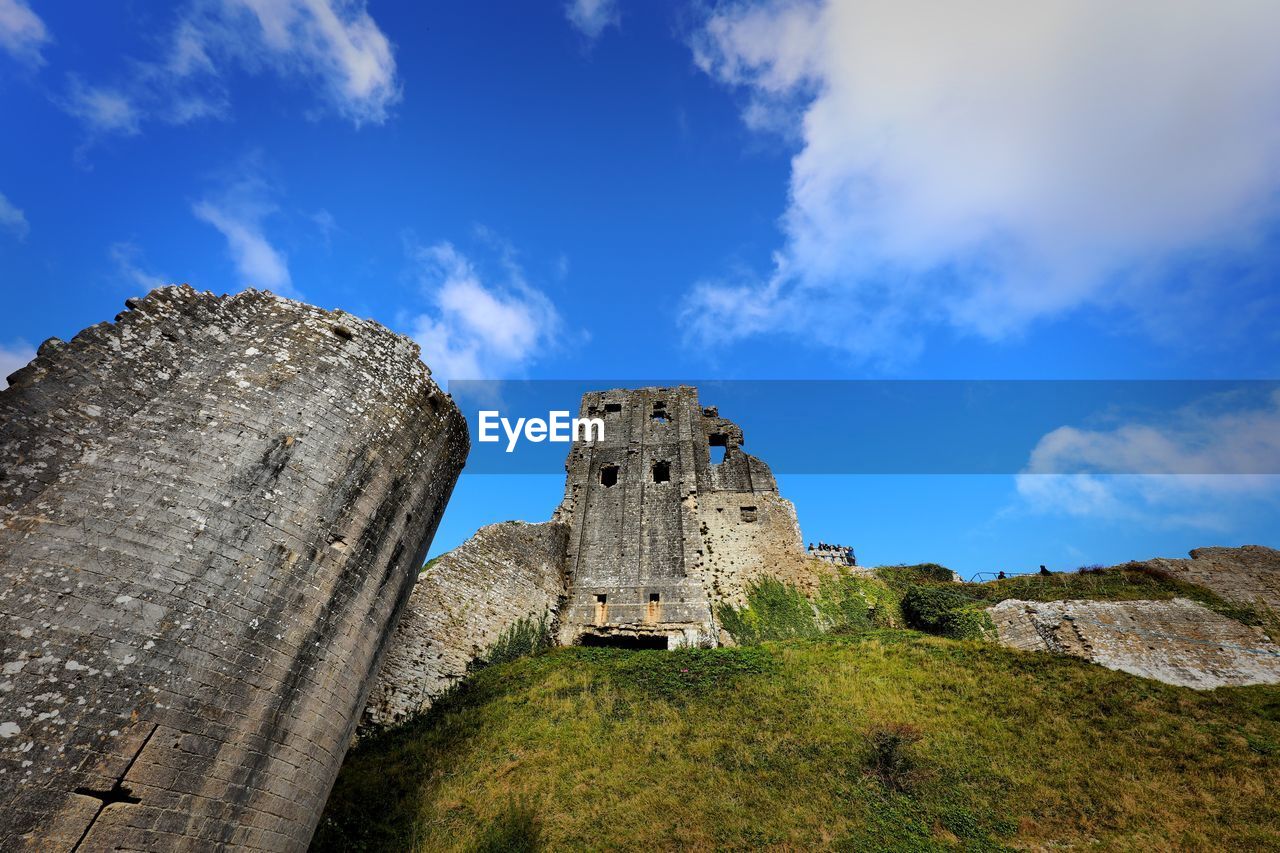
(127, 258)
(1203, 466)
(982, 167)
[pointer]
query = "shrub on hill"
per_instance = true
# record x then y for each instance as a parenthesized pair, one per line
(945, 613)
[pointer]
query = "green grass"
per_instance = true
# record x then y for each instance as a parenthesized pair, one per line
(886, 739)
(846, 602)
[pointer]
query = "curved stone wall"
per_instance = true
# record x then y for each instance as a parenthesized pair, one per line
(460, 607)
(211, 512)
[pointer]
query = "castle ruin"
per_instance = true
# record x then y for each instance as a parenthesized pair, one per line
(653, 534)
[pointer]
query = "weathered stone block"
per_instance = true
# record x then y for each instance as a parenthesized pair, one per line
(1177, 642)
(1247, 575)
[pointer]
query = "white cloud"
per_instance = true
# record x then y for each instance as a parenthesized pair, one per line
(475, 329)
(985, 166)
(104, 110)
(335, 42)
(334, 46)
(239, 213)
(12, 219)
(13, 357)
(1195, 467)
(22, 33)
(128, 260)
(592, 17)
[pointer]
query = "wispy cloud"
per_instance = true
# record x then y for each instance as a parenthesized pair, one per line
(983, 168)
(128, 261)
(103, 110)
(240, 212)
(334, 46)
(478, 329)
(593, 17)
(326, 225)
(14, 356)
(1196, 467)
(12, 219)
(22, 34)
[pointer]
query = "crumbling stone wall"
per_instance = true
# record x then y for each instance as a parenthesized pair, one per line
(748, 536)
(658, 533)
(211, 512)
(1247, 575)
(1177, 642)
(460, 606)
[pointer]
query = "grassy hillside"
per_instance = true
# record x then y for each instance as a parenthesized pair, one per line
(880, 739)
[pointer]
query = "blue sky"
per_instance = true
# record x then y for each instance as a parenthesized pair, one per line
(786, 190)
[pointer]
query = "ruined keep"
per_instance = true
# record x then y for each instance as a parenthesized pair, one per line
(659, 532)
(211, 512)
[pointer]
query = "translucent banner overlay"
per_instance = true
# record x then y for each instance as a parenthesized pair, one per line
(1177, 427)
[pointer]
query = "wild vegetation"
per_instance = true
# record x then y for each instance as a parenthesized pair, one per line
(927, 598)
(833, 726)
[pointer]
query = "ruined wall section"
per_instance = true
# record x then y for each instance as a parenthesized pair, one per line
(460, 606)
(1177, 642)
(748, 530)
(1247, 575)
(749, 536)
(659, 533)
(631, 505)
(211, 511)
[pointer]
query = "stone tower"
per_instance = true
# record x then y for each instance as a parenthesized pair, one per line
(211, 513)
(659, 531)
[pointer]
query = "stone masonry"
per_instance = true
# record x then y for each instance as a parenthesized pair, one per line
(211, 512)
(1247, 575)
(659, 533)
(460, 606)
(1177, 642)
